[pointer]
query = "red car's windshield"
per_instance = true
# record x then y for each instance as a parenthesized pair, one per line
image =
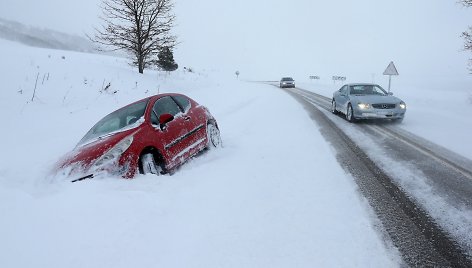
(115, 121)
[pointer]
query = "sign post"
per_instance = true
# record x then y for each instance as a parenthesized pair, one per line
(391, 70)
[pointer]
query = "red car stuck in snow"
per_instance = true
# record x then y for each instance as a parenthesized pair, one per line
(152, 135)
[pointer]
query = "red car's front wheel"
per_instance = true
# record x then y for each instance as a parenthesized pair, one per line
(149, 165)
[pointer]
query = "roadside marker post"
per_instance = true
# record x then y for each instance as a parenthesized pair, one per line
(338, 78)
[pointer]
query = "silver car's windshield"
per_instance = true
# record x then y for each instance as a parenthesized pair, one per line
(117, 120)
(367, 90)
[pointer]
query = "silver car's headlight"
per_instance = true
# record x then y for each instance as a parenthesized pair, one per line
(402, 105)
(363, 106)
(115, 151)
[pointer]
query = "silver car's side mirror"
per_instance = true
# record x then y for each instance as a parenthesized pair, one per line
(390, 93)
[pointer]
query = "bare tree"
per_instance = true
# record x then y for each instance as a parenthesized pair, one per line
(139, 27)
(468, 39)
(467, 35)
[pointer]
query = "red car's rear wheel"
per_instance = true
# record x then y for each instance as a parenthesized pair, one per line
(213, 134)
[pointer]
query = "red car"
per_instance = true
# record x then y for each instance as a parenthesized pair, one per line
(153, 135)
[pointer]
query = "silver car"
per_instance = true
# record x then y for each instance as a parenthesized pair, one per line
(367, 101)
(287, 82)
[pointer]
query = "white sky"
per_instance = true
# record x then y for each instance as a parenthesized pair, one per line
(266, 39)
(324, 37)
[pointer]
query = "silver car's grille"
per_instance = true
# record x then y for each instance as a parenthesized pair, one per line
(383, 106)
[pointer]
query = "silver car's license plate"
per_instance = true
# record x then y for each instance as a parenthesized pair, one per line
(385, 112)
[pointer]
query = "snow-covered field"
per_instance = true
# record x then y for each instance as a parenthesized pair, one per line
(274, 196)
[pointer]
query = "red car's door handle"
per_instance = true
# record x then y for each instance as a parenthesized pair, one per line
(187, 118)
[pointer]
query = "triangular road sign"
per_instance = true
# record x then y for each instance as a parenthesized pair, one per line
(391, 69)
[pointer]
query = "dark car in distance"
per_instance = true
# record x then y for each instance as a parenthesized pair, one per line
(287, 82)
(152, 135)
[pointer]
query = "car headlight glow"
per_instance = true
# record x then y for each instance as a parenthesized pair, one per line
(363, 105)
(115, 151)
(402, 105)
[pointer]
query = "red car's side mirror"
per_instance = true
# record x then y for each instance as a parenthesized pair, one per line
(165, 118)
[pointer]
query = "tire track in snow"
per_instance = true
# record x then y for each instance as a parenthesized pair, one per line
(419, 239)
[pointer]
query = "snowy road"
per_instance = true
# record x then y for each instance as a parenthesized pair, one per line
(420, 191)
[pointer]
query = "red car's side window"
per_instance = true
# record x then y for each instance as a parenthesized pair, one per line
(166, 105)
(183, 102)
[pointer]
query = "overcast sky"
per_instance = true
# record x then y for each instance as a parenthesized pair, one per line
(266, 39)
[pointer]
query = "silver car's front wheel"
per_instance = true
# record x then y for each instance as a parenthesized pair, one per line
(333, 107)
(350, 113)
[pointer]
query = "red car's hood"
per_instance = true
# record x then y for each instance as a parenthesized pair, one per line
(85, 155)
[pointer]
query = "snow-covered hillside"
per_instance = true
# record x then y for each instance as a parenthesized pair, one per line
(274, 196)
(46, 38)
